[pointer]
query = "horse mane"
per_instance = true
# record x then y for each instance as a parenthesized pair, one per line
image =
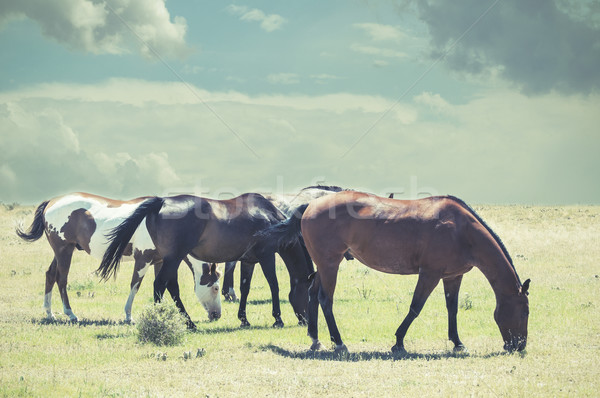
(332, 188)
(494, 235)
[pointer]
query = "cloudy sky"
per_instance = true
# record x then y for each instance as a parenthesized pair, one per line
(495, 101)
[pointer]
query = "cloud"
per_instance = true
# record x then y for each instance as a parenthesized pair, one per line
(268, 22)
(536, 44)
(283, 78)
(106, 27)
(43, 156)
(377, 51)
(379, 32)
(495, 147)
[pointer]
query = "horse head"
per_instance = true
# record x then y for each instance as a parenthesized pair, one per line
(206, 286)
(512, 315)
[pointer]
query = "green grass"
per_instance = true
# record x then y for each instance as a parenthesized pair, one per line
(557, 247)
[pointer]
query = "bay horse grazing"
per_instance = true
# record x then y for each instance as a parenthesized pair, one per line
(81, 220)
(286, 204)
(438, 238)
(214, 231)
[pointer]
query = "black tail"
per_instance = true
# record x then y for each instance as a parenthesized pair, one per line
(286, 232)
(36, 230)
(120, 236)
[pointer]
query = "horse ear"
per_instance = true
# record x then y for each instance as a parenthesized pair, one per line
(525, 287)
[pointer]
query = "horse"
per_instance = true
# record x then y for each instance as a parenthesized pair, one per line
(438, 238)
(214, 231)
(286, 203)
(81, 221)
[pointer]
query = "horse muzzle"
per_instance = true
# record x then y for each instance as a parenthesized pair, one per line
(213, 316)
(515, 344)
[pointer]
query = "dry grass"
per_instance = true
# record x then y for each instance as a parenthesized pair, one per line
(557, 247)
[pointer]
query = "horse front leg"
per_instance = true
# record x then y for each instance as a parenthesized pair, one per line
(313, 312)
(227, 290)
(246, 271)
(267, 263)
(451, 288)
(425, 285)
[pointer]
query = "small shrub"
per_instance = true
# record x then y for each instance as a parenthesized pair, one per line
(161, 324)
(466, 302)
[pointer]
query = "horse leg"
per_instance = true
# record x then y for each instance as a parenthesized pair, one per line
(246, 271)
(167, 279)
(63, 263)
(313, 312)
(451, 288)
(50, 280)
(425, 285)
(267, 263)
(139, 271)
(328, 279)
(228, 291)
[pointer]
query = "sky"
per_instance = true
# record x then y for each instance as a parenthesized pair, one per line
(493, 101)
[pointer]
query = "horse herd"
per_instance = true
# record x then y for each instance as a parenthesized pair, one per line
(438, 238)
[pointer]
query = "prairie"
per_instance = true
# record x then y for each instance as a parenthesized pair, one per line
(557, 247)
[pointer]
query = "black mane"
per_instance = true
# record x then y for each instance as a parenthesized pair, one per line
(332, 188)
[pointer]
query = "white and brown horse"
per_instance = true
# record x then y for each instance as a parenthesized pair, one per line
(82, 221)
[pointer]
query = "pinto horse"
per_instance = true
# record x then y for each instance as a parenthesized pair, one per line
(438, 238)
(215, 231)
(81, 220)
(286, 203)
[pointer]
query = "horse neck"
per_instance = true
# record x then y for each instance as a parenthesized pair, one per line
(496, 267)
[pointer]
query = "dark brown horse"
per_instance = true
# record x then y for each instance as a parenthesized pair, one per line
(215, 231)
(438, 238)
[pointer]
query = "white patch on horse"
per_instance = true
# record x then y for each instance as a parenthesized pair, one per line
(57, 215)
(143, 271)
(129, 302)
(69, 313)
(48, 305)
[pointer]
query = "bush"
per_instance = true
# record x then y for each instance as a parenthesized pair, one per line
(161, 324)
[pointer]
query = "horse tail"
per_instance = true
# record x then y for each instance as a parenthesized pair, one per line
(36, 230)
(120, 236)
(287, 232)
(492, 233)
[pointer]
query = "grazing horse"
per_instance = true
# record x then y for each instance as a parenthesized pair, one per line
(286, 203)
(214, 231)
(81, 220)
(438, 238)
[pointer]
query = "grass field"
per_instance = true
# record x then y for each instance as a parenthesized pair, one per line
(557, 247)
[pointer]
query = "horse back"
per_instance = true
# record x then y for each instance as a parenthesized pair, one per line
(393, 236)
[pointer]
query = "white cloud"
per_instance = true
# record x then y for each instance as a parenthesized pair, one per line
(43, 156)
(268, 22)
(283, 78)
(378, 51)
(380, 63)
(379, 32)
(434, 101)
(106, 27)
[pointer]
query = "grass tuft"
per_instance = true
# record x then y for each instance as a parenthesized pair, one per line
(161, 324)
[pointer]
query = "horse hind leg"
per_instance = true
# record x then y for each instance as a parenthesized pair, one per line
(425, 285)
(328, 278)
(63, 259)
(50, 281)
(451, 288)
(139, 271)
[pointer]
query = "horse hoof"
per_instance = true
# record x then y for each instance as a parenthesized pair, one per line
(278, 324)
(191, 325)
(316, 346)
(341, 349)
(399, 350)
(460, 349)
(245, 323)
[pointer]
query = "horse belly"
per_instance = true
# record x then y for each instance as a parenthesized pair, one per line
(386, 261)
